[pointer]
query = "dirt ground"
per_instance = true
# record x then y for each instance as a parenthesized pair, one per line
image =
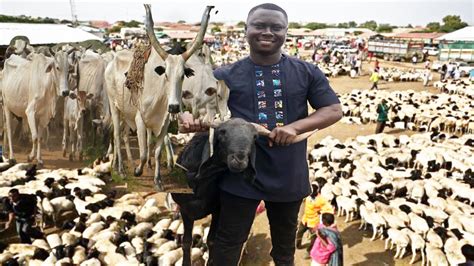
(358, 249)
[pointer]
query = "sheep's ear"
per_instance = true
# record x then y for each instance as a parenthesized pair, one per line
(250, 172)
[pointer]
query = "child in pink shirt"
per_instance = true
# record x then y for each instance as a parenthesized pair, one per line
(325, 246)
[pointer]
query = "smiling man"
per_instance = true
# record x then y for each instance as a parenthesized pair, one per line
(273, 90)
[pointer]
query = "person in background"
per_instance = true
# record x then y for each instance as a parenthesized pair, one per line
(376, 64)
(375, 79)
(22, 209)
(382, 110)
(327, 248)
(314, 205)
(442, 72)
(414, 59)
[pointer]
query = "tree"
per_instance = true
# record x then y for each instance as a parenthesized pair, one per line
(315, 25)
(384, 28)
(215, 29)
(241, 24)
(452, 23)
(409, 26)
(371, 24)
(343, 25)
(352, 24)
(433, 26)
(132, 24)
(181, 21)
(294, 25)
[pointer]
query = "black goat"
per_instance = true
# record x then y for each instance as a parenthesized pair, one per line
(234, 150)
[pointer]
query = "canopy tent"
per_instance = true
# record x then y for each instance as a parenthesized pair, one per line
(464, 34)
(43, 33)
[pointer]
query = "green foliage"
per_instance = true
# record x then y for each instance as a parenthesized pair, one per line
(92, 152)
(294, 25)
(181, 21)
(241, 24)
(352, 24)
(384, 28)
(132, 24)
(316, 25)
(452, 23)
(344, 25)
(26, 19)
(409, 26)
(114, 29)
(371, 24)
(433, 26)
(215, 29)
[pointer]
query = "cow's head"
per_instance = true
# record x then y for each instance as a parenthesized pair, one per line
(81, 97)
(64, 69)
(174, 67)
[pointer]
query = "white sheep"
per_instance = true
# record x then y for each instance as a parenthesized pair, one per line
(398, 238)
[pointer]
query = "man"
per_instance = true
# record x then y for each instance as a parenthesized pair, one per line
(22, 208)
(271, 89)
(314, 205)
(382, 110)
(375, 79)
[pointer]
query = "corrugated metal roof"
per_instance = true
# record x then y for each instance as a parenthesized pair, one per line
(420, 35)
(43, 33)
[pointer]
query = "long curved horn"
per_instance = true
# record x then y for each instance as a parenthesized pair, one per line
(200, 36)
(261, 130)
(151, 33)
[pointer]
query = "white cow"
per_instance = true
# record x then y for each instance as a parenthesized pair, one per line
(30, 90)
(74, 109)
(161, 94)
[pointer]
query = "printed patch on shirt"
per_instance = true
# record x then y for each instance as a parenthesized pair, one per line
(279, 124)
(259, 73)
(260, 83)
(262, 104)
(260, 94)
(279, 115)
(262, 117)
(278, 104)
(276, 72)
(277, 93)
(276, 83)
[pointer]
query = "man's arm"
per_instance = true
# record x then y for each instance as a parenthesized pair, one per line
(321, 118)
(11, 216)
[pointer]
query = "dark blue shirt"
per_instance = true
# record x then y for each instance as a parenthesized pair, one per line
(274, 95)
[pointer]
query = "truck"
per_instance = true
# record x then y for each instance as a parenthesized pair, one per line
(395, 50)
(457, 51)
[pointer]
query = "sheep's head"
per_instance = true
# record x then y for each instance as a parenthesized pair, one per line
(236, 139)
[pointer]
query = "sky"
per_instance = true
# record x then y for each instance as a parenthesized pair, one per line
(400, 13)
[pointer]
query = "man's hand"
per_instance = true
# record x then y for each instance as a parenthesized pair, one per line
(282, 136)
(187, 124)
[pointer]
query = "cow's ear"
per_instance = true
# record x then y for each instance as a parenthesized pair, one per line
(160, 70)
(188, 72)
(210, 91)
(72, 95)
(49, 68)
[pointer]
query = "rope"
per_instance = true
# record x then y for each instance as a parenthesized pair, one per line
(135, 74)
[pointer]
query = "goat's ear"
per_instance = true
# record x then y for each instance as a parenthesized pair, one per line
(188, 72)
(250, 173)
(160, 70)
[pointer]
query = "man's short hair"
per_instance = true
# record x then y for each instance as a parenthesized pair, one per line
(327, 218)
(468, 252)
(268, 6)
(13, 191)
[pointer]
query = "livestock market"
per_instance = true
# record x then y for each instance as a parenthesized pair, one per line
(284, 133)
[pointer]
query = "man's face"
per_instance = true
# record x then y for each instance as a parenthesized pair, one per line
(14, 197)
(266, 31)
